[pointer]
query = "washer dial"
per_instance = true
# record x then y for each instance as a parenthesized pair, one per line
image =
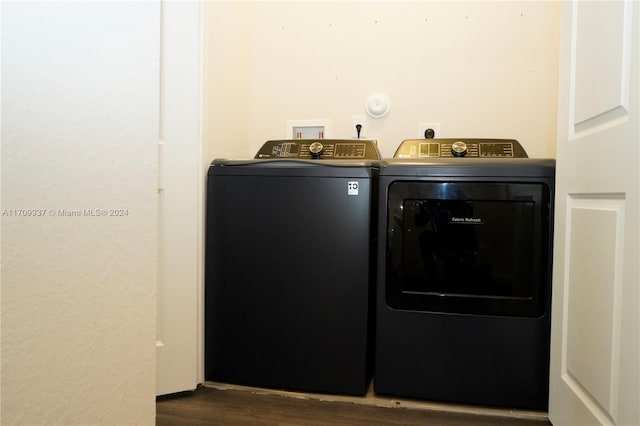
(459, 149)
(316, 149)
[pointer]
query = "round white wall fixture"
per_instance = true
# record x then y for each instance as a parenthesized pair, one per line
(377, 105)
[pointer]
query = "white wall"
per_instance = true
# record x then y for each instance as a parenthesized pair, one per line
(80, 96)
(481, 69)
(228, 70)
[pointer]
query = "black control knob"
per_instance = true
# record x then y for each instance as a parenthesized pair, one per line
(429, 133)
(459, 149)
(316, 149)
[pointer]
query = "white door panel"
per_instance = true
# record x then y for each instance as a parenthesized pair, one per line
(601, 59)
(593, 310)
(595, 357)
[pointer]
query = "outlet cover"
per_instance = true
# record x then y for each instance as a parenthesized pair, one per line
(362, 120)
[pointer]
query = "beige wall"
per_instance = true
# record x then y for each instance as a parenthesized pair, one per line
(480, 69)
(80, 119)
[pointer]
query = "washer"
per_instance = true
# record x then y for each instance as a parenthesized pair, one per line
(464, 273)
(290, 267)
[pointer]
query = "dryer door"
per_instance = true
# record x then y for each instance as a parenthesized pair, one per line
(468, 247)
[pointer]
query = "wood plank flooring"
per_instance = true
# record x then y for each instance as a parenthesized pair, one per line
(250, 406)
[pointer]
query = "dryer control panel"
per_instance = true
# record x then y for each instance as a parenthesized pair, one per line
(478, 148)
(320, 149)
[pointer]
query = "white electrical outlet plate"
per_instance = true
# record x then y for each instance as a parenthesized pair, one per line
(358, 119)
(308, 129)
(424, 126)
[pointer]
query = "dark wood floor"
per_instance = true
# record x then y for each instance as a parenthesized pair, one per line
(214, 406)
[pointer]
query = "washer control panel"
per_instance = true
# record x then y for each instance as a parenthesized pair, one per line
(320, 149)
(473, 148)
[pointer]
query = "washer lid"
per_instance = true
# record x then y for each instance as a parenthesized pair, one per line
(294, 168)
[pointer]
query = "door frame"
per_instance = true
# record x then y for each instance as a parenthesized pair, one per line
(181, 198)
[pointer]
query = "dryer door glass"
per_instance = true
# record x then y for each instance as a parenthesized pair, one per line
(461, 247)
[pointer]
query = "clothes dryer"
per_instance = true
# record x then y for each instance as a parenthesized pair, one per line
(290, 267)
(464, 273)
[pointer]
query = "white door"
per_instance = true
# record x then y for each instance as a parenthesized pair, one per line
(595, 362)
(179, 343)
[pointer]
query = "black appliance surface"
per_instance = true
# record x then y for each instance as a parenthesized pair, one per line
(290, 267)
(464, 274)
